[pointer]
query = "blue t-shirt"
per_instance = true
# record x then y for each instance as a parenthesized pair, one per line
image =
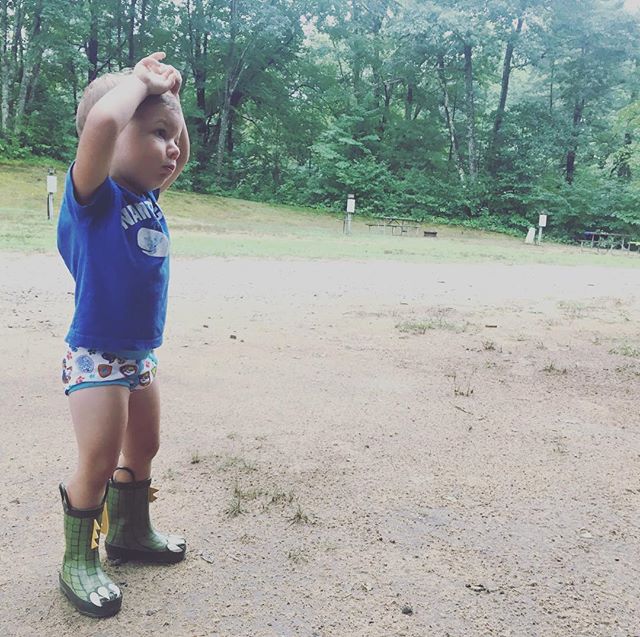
(117, 249)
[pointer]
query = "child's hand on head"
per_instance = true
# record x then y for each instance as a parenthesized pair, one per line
(158, 77)
(177, 83)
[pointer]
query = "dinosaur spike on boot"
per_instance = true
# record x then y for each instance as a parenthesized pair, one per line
(81, 578)
(131, 535)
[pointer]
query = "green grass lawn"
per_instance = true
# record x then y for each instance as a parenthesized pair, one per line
(206, 225)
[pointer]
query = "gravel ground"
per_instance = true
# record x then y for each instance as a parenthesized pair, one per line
(371, 449)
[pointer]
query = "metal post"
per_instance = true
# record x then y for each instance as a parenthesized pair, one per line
(52, 187)
(542, 223)
(351, 208)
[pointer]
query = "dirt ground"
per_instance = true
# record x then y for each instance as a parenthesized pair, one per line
(370, 449)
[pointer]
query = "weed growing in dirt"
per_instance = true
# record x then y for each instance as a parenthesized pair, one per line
(297, 556)
(234, 509)
(236, 462)
(299, 517)
(239, 497)
(628, 370)
(281, 497)
(436, 320)
(625, 349)
(249, 494)
(574, 309)
(552, 369)
(488, 346)
(460, 387)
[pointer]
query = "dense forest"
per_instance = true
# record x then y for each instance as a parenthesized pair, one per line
(486, 112)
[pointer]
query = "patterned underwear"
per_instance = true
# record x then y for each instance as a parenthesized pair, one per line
(82, 367)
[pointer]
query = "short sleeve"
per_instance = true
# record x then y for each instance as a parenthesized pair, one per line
(101, 202)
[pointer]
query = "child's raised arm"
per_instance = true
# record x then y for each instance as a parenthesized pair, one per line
(109, 116)
(183, 140)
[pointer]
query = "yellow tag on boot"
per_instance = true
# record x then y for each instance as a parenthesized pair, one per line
(152, 494)
(104, 523)
(95, 536)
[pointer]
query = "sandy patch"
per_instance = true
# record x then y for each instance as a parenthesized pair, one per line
(382, 449)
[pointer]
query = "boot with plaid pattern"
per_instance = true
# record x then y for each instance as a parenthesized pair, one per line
(81, 578)
(131, 535)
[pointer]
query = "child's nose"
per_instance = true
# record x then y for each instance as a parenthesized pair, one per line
(173, 152)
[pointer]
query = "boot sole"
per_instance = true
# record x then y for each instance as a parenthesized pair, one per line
(136, 555)
(108, 609)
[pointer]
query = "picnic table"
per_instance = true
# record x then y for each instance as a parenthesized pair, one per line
(398, 225)
(604, 240)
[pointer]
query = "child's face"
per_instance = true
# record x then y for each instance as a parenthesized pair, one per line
(147, 150)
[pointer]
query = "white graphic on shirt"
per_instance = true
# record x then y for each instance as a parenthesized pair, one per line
(153, 243)
(131, 214)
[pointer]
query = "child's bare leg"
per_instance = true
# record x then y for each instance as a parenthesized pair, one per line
(99, 417)
(142, 435)
(131, 534)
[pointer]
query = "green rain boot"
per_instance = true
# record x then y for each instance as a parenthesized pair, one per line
(82, 579)
(131, 535)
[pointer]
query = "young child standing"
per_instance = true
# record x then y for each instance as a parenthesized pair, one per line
(114, 239)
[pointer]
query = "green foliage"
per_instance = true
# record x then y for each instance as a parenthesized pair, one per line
(304, 102)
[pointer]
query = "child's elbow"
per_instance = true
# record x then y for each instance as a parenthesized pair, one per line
(101, 120)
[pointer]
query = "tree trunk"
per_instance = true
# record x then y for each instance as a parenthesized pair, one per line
(236, 100)
(231, 82)
(74, 83)
(386, 112)
(143, 21)
(91, 46)
(33, 58)
(356, 65)
(119, 44)
(224, 124)
(4, 68)
(408, 103)
(198, 38)
(573, 145)
(553, 68)
(504, 89)
(471, 115)
(131, 34)
(449, 119)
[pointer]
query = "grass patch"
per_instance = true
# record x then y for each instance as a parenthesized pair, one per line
(236, 462)
(299, 517)
(552, 369)
(574, 309)
(207, 225)
(437, 320)
(461, 386)
(625, 349)
(297, 556)
(234, 509)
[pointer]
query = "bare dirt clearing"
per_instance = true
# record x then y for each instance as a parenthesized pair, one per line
(381, 449)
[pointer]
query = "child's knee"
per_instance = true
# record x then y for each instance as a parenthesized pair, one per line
(145, 449)
(99, 470)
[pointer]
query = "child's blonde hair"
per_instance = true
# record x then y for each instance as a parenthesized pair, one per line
(99, 87)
